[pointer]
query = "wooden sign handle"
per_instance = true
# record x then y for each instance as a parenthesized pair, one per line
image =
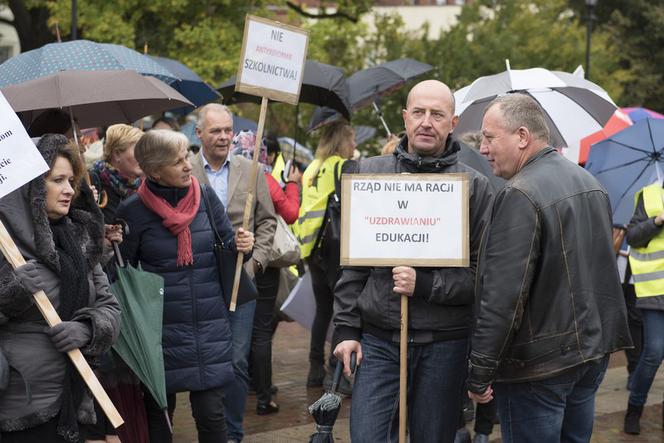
(248, 205)
(14, 257)
(403, 369)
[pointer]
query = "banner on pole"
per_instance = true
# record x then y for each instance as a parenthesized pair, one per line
(404, 219)
(272, 60)
(20, 161)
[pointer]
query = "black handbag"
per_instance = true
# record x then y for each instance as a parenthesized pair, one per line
(226, 259)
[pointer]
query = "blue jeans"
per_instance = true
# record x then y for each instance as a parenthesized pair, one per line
(436, 382)
(242, 322)
(651, 356)
(554, 410)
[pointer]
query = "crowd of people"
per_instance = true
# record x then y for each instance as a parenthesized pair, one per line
(525, 331)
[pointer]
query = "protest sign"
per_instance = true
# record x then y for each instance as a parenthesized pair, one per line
(404, 220)
(271, 66)
(272, 60)
(20, 162)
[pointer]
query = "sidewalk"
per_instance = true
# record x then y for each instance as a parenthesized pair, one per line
(293, 423)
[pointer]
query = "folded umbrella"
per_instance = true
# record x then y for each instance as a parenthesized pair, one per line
(94, 98)
(325, 410)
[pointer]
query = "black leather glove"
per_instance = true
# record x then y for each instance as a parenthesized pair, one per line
(70, 335)
(30, 276)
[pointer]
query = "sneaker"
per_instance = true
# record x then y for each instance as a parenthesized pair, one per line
(267, 408)
(316, 375)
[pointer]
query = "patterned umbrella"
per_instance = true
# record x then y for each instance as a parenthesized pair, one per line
(573, 107)
(79, 55)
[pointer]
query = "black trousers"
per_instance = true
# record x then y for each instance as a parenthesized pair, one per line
(323, 279)
(207, 408)
(44, 433)
(261, 337)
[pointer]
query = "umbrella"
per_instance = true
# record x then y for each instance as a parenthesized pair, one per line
(573, 107)
(626, 162)
(478, 162)
(323, 85)
(303, 154)
(189, 83)
(79, 55)
(363, 134)
(367, 85)
(636, 114)
(141, 297)
(618, 121)
(326, 409)
(125, 97)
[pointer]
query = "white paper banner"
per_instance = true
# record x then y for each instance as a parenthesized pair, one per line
(417, 220)
(20, 161)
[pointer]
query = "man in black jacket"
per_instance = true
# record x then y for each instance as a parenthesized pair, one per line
(367, 300)
(550, 308)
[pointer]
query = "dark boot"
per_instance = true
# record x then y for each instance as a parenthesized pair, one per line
(632, 419)
(316, 375)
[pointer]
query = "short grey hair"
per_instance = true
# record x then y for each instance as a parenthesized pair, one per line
(158, 148)
(202, 113)
(518, 110)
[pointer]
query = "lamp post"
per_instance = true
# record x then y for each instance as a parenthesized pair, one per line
(590, 4)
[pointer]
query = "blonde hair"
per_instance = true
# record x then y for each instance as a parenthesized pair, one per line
(334, 139)
(390, 145)
(119, 138)
(158, 148)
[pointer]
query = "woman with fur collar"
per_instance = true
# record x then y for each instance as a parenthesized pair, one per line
(45, 398)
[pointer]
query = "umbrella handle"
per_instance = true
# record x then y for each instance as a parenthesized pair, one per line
(339, 369)
(118, 256)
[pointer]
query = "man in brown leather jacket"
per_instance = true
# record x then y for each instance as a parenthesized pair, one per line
(549, 306)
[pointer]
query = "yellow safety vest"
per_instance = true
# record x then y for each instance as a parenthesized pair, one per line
(648, 262)
(279, 165)
(315, 191)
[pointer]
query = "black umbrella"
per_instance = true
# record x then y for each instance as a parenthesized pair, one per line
(367, 85)
(478, 162)
(322, 85)
(326, 409)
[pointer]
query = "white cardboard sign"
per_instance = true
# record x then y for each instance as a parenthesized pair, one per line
(272, 60)
(20, 161)
(404, 219)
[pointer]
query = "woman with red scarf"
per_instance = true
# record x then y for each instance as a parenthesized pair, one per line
(170, 235)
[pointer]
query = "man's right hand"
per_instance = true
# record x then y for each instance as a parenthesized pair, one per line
(343, 351)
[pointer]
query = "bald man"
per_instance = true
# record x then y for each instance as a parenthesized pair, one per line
(367, 300)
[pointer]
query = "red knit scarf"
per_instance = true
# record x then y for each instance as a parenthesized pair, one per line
(176, 219)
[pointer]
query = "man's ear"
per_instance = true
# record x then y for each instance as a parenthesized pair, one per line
(455, 120)
(525, 137)
(404, 114)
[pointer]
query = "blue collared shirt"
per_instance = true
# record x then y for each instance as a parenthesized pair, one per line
(218, 179)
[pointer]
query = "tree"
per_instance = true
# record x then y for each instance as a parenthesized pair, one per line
(30, 21)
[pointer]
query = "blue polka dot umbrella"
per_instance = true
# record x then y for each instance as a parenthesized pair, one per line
(80, 55)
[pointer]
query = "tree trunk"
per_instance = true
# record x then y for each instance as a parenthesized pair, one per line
(31, 25)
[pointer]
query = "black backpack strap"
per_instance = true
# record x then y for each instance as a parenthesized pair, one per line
(208, 210)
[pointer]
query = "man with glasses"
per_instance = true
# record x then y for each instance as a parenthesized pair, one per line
(367, 300)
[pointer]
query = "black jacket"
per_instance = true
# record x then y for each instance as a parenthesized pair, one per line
(441, 307)
(549, 295)
(640, 231)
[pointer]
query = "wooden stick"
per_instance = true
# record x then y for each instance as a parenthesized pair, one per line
(14, 257)
(248, 206)
(403, 369)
